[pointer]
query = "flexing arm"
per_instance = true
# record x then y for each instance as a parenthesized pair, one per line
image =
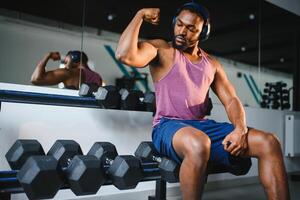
(234, 109)
(41, 77)
(129, 50)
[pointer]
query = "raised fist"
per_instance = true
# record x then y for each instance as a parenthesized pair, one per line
(54, 55)
(151, 15)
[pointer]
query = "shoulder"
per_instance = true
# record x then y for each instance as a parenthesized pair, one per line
(213, 60)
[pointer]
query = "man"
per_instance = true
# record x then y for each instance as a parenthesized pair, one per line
(183, 73)
(76, 71)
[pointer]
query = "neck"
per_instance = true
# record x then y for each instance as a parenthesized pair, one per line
(193, 51)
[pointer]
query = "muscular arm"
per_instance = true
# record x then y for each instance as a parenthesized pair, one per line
(42, 77)
(132, 52)
(235, 142)
(227, 95)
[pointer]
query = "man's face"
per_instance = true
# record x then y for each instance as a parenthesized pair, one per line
(68, 62)
(187, 29)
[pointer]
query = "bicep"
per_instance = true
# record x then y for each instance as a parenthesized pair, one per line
(146, 51)
(54, 77)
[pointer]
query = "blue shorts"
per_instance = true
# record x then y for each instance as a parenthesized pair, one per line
(163, 133)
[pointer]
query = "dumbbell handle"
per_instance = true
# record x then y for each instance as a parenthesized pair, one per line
(146, 166)
(109, 161)
(156, 158)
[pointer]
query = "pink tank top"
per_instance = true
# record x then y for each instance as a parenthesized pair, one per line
(91, 77)
(183, 92)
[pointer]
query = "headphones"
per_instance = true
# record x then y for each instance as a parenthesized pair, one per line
(76, 56)
(200, 10)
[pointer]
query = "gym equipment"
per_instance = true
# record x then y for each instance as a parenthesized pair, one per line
(131, 99)
(42, 176)
(85, 175)
(149, 101)
(201, 10)
(124, 171)
(21, 150)
(107, 96)
(87, 90)
(168, 168)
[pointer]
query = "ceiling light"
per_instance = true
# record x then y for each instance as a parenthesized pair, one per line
(111, 17)
(243, 48)
(282, 60)
(251, 16)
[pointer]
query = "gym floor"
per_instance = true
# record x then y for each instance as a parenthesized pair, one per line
(247, 192)
(217, 191)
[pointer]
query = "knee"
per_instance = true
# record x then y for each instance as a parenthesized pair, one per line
(198, 147)
(271, 143)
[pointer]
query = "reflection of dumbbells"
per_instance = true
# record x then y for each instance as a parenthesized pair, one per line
(108, 96)
(149, 101)
(42, 176)
(124, 171)
(137, 100)
(168, 168)
(131, 99)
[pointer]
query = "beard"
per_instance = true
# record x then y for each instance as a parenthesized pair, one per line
(183, 43)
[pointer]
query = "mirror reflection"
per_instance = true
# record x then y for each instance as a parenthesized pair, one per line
(39, 41)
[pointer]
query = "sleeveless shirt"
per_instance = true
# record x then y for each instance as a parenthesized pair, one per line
(183, 92)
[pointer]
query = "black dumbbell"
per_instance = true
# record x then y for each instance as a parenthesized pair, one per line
(21, 150)
(42, 176)
(149, 101)
(87, 90)
(131, 99)
(124, 171)
(168, 168)
(107, 96)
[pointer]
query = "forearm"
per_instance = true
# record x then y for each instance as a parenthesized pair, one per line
(236, 114)
(128, 43)
(40, 69)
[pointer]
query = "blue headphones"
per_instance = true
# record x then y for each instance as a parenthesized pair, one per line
(75, 56)
(200, 10)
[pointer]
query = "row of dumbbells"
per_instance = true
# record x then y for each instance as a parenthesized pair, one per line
(111, 97)
(43, 175)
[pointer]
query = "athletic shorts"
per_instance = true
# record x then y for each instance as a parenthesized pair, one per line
(164, 131)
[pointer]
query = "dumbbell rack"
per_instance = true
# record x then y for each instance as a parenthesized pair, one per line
(9, 184)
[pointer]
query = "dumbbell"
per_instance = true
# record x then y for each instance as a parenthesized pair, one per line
(87, 89)
(149, 101)
(124, 171)
(169, 169)
(21, 150)
(42, 176)
(107, 96)
(131, 99)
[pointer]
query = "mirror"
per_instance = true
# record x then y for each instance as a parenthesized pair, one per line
(277, 53)
(245, 36)
(30, 30)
